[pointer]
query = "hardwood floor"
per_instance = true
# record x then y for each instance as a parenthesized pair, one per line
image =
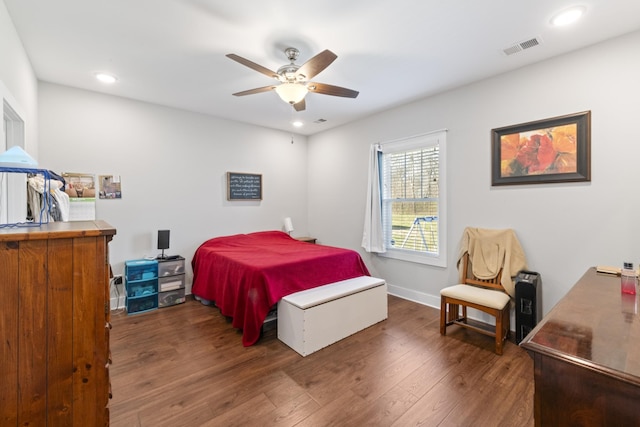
(186, 366)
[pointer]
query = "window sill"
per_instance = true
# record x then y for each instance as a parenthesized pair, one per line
(410, 256)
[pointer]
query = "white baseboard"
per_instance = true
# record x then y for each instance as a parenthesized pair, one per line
(117, 297)
(415, 296)
(117, 303)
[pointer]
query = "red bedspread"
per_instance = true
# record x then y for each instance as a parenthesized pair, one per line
(246, 274)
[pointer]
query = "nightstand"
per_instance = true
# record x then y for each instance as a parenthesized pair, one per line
(306, 239)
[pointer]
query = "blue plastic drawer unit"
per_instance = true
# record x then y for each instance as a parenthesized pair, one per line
(141, 284)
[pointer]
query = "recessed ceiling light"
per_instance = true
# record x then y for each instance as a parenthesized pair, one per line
(568, 16)
(297, 124)
(106, 78)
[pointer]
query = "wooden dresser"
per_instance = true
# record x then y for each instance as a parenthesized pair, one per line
(586, 355)
(54, 324)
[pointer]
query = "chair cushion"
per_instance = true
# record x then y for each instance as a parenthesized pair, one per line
(474, 294)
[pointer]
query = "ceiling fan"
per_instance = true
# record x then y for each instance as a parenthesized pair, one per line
(294, 79)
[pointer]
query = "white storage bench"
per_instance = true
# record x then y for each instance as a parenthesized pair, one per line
(315, 318)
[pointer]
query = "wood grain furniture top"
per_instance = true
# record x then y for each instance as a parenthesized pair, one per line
(586, 354)
(594, 326)
(57, 230)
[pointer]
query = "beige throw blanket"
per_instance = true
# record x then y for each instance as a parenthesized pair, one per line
(489, 251)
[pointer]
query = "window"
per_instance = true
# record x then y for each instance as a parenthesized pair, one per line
(413, 194)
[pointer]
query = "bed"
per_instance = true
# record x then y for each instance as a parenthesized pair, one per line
(245, 275)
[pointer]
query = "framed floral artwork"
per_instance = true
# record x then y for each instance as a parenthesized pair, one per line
(551, 150)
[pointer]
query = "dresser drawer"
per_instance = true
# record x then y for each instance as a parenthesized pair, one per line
(170, 283)
(142, 287)
(142, 304)
(171, 267)
(169, 298)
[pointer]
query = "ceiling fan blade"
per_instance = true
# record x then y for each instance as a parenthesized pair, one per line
(326, 89)
(256, 90)
(315, 65)
(300, 106)
(259, 68)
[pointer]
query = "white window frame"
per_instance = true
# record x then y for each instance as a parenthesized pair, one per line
(407, 144)
(13, 196)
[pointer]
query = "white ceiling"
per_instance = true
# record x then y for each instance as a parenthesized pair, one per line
(172, 52)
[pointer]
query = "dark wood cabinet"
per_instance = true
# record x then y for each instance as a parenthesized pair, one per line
(307, 239)
(586, 355)
(54, 324)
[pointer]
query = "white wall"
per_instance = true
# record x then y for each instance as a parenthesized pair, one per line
(173, 168)
(18, 79)
(564, 228)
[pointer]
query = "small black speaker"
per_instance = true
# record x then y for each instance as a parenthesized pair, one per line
(163, 240)
(528, 300)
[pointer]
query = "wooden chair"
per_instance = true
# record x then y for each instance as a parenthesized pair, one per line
(486, 295)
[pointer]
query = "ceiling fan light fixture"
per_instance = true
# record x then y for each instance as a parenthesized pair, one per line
(291, 93)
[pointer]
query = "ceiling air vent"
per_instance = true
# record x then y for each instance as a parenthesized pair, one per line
(320, 121)
(527, 44)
